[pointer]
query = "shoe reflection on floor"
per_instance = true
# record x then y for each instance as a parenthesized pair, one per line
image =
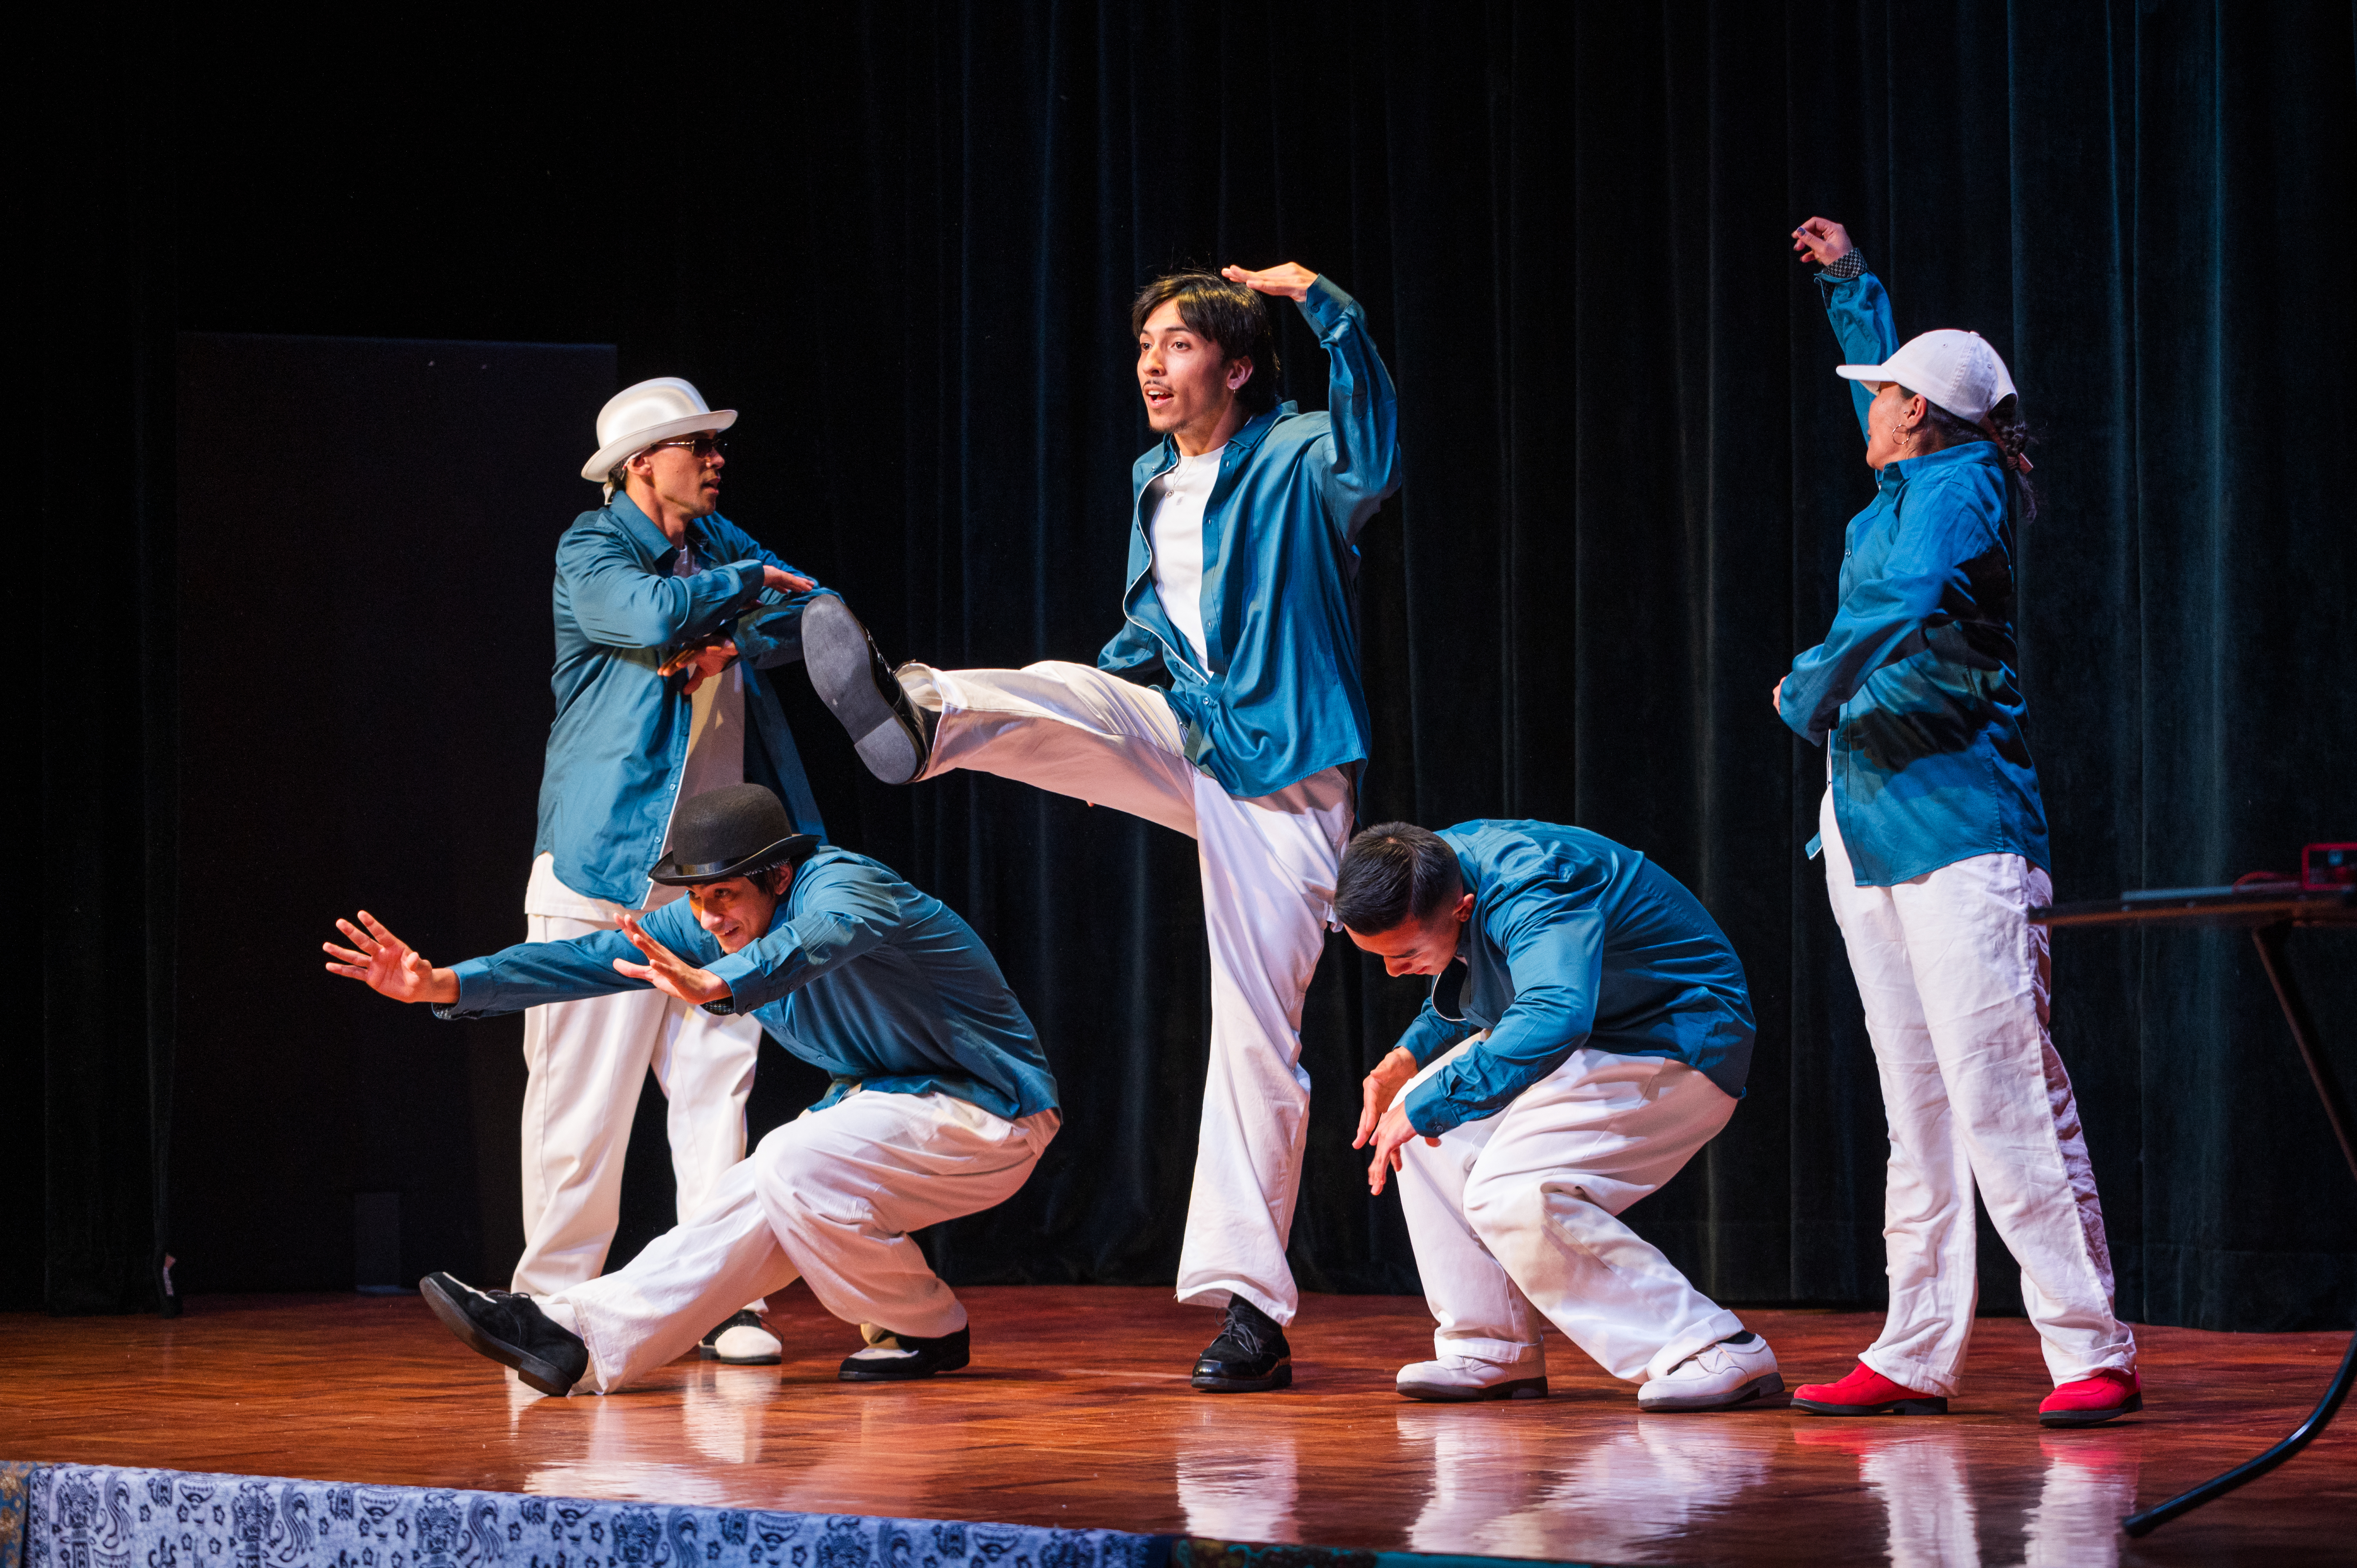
(1499, 1485)
(720, 1409)
(1238, 1483)
(1935, 1518)
(2090, 1484)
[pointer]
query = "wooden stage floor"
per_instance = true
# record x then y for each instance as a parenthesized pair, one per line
(1077, 1412)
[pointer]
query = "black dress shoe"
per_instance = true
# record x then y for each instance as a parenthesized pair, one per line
(510, 1330)
(891, 734)
(1249, 1357)
(900, 1356)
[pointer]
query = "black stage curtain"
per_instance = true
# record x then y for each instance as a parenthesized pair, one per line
(902, 239)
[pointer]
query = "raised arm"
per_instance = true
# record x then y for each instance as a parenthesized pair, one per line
(1855, 303)
(1363, 460)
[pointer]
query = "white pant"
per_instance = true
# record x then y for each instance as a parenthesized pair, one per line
(830, 1197)
(1953, 979)
(1267, 864)
(1519, 1211)
(586, 1062)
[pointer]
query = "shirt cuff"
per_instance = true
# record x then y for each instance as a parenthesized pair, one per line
(472, 974)
(1428, 1110)
(1326, 306)
(1848, 266)
(732, 969)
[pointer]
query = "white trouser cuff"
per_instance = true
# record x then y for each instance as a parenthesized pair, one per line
(1720, 1324)
(1216, 1295)
(1921, 1377)
(1505, 1355)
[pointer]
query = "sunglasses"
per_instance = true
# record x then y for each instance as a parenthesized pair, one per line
(702, 446)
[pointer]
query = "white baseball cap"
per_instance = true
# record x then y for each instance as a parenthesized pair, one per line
(637, 417)
(1958, 370)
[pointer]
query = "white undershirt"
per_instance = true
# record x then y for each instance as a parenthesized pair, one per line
(716, 758)
(1176, 531)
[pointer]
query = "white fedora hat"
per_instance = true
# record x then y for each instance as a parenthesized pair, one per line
(1958, 370)
(637, 417)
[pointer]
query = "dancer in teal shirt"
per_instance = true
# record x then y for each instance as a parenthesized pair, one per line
(1935, 842)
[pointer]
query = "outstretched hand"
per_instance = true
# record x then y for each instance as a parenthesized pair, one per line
(786, 582)
(1822, 241)
(387, 965)
(1383, 1117)
(1290, 279)
(666, 970)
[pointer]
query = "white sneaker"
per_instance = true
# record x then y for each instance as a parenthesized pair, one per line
(1461, 1382)
(742, 1342)
(1717, 1377)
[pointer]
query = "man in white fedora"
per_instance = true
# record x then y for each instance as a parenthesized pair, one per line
(666, 615)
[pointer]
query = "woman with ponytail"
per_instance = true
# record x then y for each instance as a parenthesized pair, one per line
(1934, 841)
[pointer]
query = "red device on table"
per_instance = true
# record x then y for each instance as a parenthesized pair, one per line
(2325, 866)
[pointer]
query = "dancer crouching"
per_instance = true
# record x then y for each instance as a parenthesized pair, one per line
(1935, 850)
(941, 1101)
(1595, 1035)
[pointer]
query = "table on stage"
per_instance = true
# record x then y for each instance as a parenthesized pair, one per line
(2269, 909)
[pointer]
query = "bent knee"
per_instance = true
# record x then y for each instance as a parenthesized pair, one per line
(1505, 1204)
(797, 1175)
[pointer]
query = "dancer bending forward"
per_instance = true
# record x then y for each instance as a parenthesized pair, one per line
(941, 1106)
(1935, 853)
(1589, 1029)
(1241, 556)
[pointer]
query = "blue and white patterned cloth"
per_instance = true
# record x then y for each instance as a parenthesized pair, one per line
(89, 1515)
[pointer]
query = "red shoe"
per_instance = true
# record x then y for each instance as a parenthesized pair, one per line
(2093, 1399)
(1868, 1392)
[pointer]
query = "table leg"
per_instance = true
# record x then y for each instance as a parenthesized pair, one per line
(2269, 940)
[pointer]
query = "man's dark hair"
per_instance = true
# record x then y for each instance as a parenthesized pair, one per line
(1393, 872)
(1228, 314)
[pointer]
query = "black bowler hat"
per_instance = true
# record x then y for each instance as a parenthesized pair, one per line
(732, 832)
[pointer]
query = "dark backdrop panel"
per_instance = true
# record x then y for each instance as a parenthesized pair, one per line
(366, 528)
(902, 240)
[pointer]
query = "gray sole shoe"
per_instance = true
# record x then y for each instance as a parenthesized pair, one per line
(859, 690)
(1757, 1389)
(1451, 1393)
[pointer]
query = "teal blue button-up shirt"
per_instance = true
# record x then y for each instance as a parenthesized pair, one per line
(1575, 940)
(859, 973)
(1282, 699)
(619, 747)
(1914, 683)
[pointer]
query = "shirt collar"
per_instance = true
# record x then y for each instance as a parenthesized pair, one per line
(1240, 446)
(1965, 452)
(651, 540)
